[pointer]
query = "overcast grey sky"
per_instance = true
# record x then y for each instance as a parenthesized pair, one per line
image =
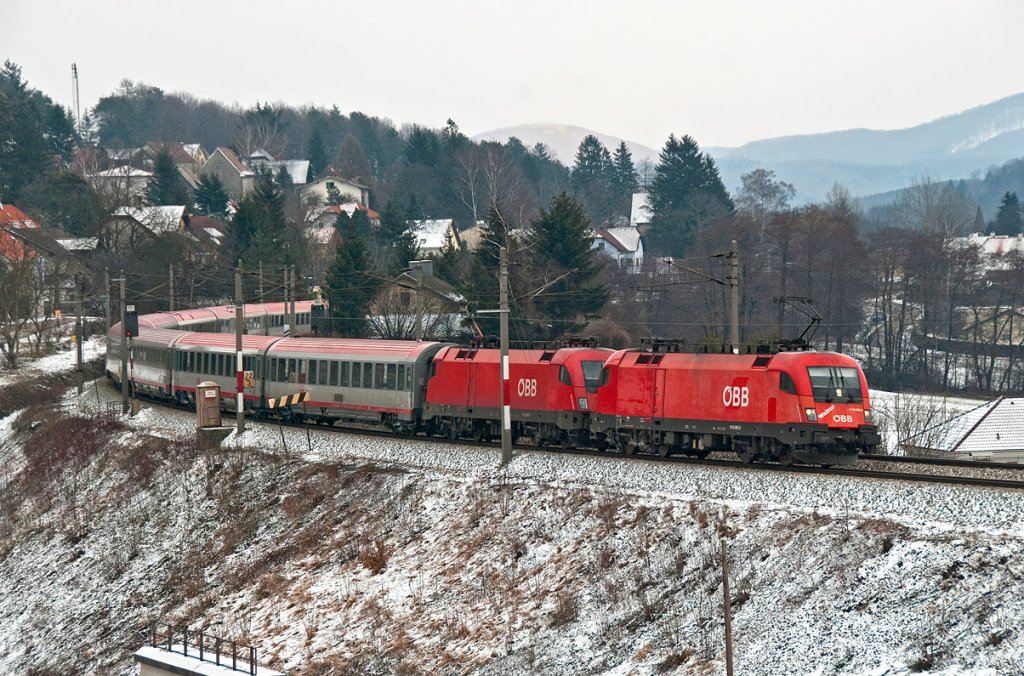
(725, 72)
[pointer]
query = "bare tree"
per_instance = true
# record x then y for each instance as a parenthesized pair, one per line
(21, 293)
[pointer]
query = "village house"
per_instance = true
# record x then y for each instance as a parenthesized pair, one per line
(623, 245)
(319, 191)
(432, 235)
(128, 228)
(236, 177)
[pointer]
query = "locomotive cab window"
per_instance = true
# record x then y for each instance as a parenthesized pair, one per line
(835, 384)
(605, 374)
(786, 383)
(563, 376)
(593, 375)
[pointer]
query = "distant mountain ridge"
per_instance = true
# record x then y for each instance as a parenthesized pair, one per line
(866, 161)
(563, 140)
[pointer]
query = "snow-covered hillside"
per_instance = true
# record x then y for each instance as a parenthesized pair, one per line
(354, 554)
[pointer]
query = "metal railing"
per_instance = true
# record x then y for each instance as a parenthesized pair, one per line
(225, 652)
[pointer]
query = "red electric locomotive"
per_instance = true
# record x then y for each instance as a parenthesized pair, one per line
(551, 393)
(809, 406)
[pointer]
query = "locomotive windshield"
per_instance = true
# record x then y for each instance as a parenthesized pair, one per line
(592, 374)
(835, 384)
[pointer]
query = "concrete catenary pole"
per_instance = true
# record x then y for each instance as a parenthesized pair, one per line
(506, 392)
(170, 287)
(289, 328)
(291, 313)
(239, 327)
(734, 292)
(78, 331)
(124, 351)
(418, 266)
(727, 610)
(106, 296)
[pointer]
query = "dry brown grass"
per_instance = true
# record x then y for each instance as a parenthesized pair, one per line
(374, 554)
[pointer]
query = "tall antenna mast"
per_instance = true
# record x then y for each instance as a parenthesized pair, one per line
(74, 95)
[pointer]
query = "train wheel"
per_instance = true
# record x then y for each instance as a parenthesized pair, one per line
(664, 450)
(629, 448)
(453, 432)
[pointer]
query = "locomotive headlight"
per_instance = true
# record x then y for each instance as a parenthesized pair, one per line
(867, 415)
(582, 402)
(811, 414)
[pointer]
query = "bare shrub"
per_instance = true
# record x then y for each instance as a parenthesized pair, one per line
(606, 513)
(605, 557)
(63, 445)
(675, 659)
(566, 608)
(373, 554)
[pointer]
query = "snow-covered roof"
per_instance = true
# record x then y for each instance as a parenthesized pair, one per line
(992, 245)
(996, 426)
(640, 209)
(123, 172)
(297, 169)
(431, 233)
(625, 239)
(158, 219)
(79, 243)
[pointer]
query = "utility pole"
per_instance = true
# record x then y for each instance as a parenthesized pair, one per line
(124, 351)
(288, 328)
(259, 292)
(418, 267)
(291, 313)
(506, 408)
(728, 608)
(78, 331)
(239, 323)
(106, 296)
(734, 291)
(170, 292)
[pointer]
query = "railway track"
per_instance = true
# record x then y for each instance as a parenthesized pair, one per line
(846, 471)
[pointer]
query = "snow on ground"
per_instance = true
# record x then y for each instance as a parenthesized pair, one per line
(357, 554)
(58, 361)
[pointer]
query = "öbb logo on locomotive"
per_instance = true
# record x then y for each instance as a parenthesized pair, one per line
(630, 400)
(736, 396)
(527, 387)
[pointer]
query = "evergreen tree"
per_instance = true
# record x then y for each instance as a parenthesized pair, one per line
(447, 262)
(211, 198)
(624, 177)
(351, 281)
(1009, 218)
(316, 151)
(66, 200)
(686, 193)
(262, 213)
(334, 196)
(24, 156)
(284, 178)
(166, 187)
(593, 163)
(566, 263)
(352, 162)
(59, 132)
(413, 210)
(422, 147)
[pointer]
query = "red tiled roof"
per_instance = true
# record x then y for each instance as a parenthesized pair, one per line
(15, 217)
(231, 157)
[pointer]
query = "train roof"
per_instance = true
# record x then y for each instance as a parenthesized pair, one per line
(395, 349)
(250, 342)
(493, 355)
(792, 359)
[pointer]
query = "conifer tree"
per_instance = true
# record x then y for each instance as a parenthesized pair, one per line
(262, 212)
(211, 198)
(1009, 218)
(565, 264)
(686, 193)
(351, 281)
(166, 187)
(23, 152)
(316, 151)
